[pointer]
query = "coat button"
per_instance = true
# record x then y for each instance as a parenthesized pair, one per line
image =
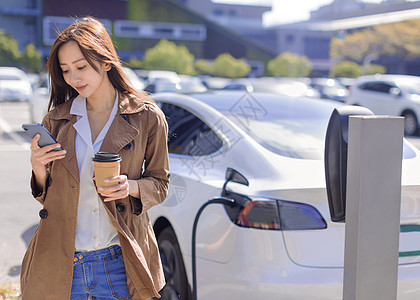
(120, 207)
(128, 146)
(43, 213)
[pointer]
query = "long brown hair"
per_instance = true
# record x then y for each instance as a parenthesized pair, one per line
(96, 46)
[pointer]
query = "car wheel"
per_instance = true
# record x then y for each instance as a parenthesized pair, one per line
(173, 267)
(410, 123)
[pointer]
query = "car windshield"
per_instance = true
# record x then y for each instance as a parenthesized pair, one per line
(303, 138)
(290, 127)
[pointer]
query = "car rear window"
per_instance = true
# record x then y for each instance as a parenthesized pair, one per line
(291, 127)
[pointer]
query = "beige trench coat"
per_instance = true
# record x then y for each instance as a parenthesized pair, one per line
(139, 134)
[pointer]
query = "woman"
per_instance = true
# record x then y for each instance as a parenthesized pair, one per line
(95, 243)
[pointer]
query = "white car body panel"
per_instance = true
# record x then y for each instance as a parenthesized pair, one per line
(244, 263)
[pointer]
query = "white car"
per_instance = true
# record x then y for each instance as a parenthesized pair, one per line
(397, 95)
(14, 85)
(280, 242)
(184, 84)
(134, 79)
(330, 88)
(283, 86)
(38, 103)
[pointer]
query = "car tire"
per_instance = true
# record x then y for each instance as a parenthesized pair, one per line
(177, 286)
(411, 125)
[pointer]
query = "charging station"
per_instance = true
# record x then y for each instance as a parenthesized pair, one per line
(363, 162)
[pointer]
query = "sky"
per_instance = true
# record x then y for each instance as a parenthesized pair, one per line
(287, 11)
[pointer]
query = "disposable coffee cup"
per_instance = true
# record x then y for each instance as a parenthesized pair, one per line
(106, 165)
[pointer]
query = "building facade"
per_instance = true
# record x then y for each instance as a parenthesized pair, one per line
(312, 38)
(207, 29)
(135, 26)
(22, 19)
(244, 19)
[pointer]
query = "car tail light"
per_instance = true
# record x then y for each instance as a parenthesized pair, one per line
(276, 215)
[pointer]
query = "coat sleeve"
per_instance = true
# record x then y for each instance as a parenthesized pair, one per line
(37, 193)
(154, 182)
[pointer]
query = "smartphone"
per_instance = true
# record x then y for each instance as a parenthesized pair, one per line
(46, 137)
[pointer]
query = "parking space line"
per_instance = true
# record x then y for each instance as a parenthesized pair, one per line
(4, 126)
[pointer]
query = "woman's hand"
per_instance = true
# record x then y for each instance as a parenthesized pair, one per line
(122, 188)
(40, 157)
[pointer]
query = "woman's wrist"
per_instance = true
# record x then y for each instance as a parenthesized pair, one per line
(40, 176)
(133, 188)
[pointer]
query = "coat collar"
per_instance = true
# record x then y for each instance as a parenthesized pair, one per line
(119, 134)
(127, 104)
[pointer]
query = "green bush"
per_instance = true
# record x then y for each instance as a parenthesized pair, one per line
(351, 69)
(134, 63)
(346, 68)
(225, 65)
(9, 50)
(289, 64)
(31, 59)
(204, 66)
(167, 55)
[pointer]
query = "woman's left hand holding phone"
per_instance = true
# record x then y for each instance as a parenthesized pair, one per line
(40, 157)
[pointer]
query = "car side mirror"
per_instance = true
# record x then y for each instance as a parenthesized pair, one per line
(335, 160)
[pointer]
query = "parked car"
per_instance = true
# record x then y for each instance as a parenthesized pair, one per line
(288, 87)
(14, 85)
(134, 79)
(279, 241)
(150, 76)
(182, 84)
(397, 95)
(346, 81)
(215, 83)
(330, 88)
(38, 103)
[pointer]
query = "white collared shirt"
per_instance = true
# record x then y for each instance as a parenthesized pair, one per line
(94, 228)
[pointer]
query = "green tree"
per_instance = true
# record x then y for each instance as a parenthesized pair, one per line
(290, 64)
(346, 68)
(354, 46)
(397, 39)
(9, 50)
(167, 55)
(134, 63)
(351, 69)
(31, 59)
(225, 65)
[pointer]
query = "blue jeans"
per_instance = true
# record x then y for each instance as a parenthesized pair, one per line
(99, 275)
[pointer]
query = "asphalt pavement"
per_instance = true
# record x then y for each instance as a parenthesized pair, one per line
(19, 211)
